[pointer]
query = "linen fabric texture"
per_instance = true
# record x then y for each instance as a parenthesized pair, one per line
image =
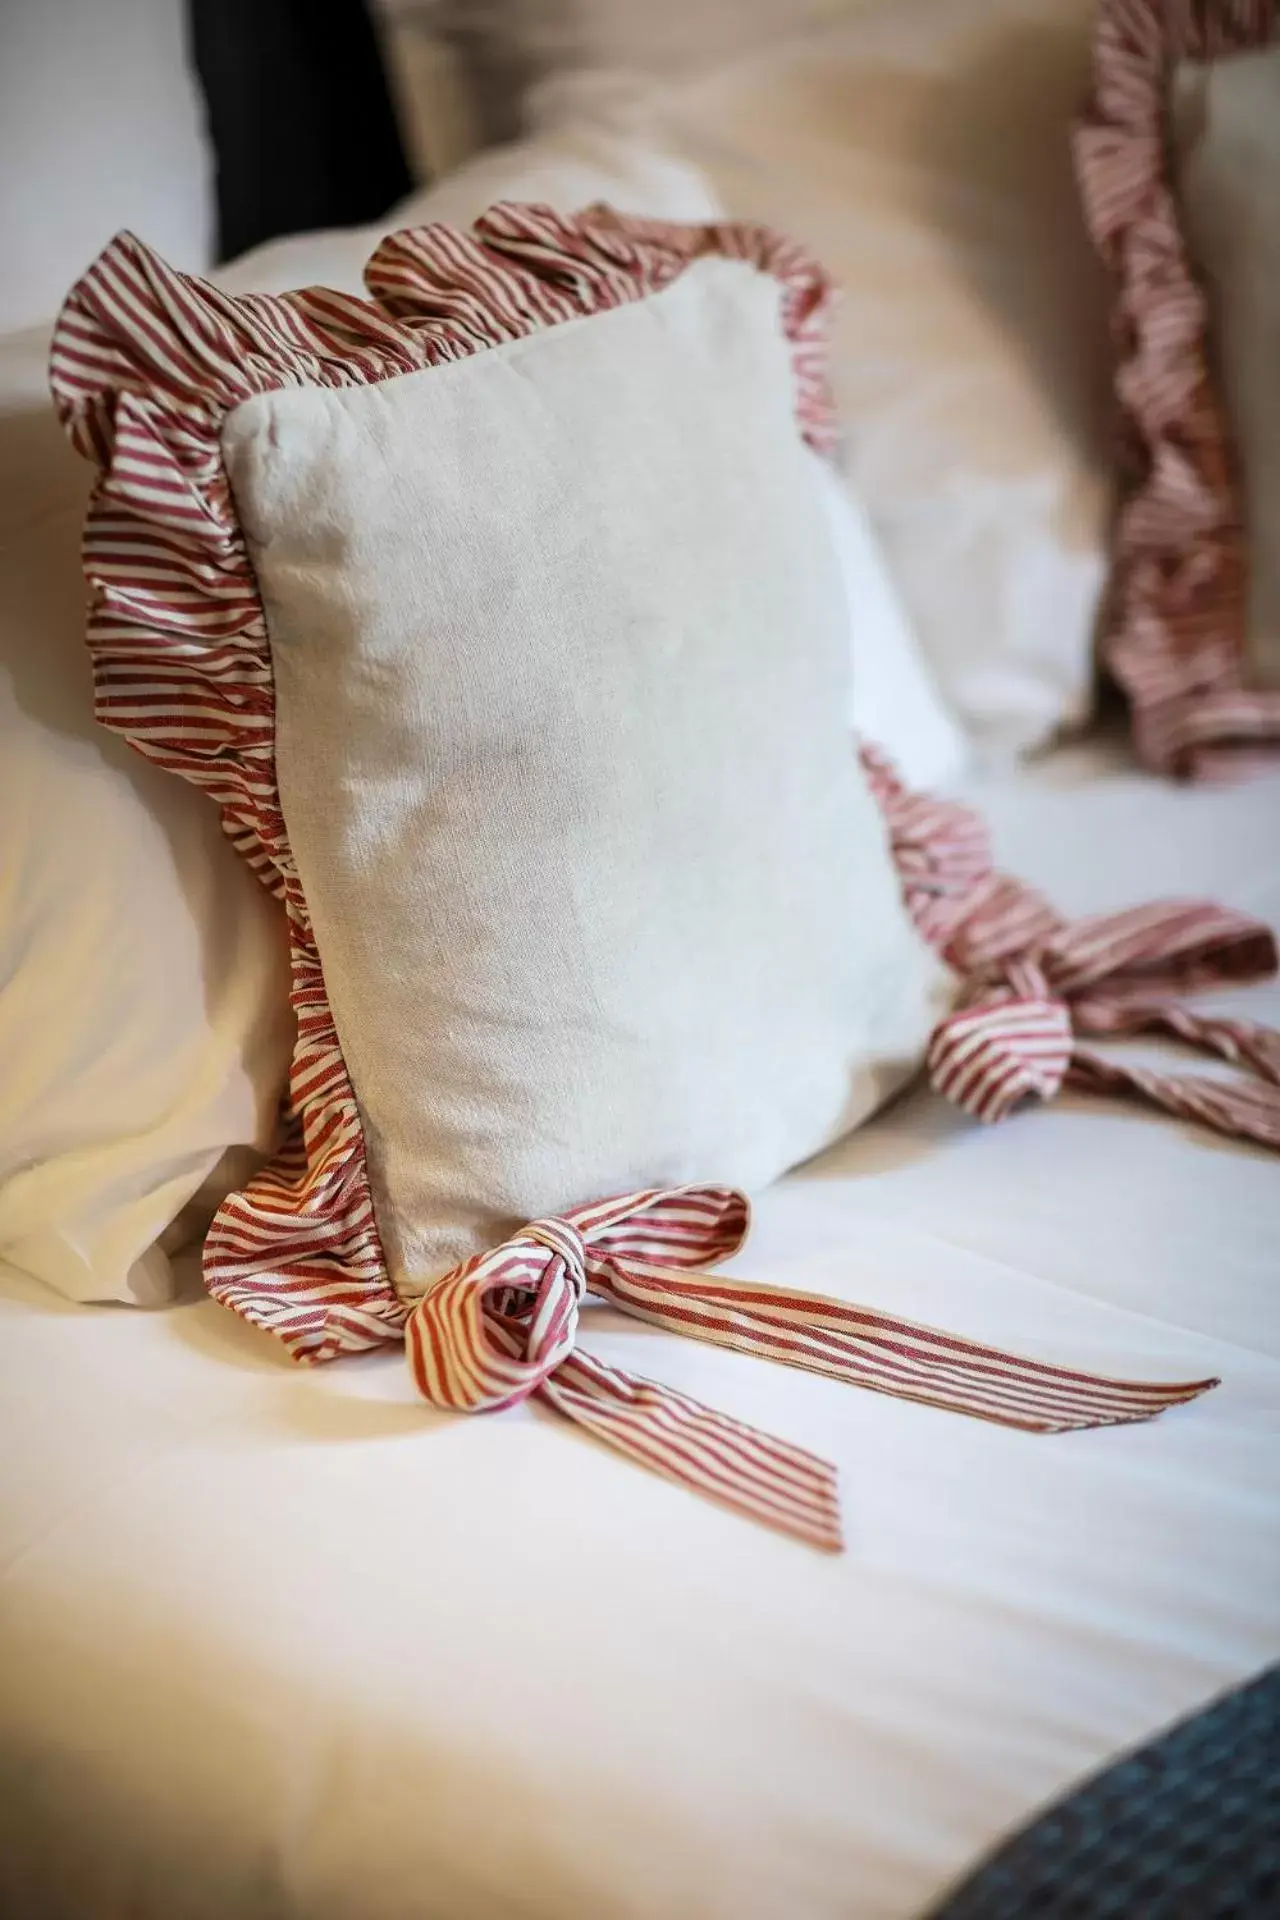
(602, 898)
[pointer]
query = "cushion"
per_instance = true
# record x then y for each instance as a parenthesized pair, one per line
(93, 156)
(922, 151)
(1227, 132)
(586, 889)
(1177, 158)
(893, 696)
(501, 616)
(144, 1027)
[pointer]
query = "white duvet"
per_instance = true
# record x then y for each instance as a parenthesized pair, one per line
(284, 1643)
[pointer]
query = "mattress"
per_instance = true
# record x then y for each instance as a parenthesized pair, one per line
(278, 1642)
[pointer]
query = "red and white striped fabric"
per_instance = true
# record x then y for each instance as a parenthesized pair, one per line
(1035, 984)
(146, 364)
(503, 1326)
(1176, 626)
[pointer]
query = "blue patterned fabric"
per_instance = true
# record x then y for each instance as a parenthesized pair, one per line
(1187, 1828)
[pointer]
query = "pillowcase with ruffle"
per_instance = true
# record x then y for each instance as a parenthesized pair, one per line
(501, 616)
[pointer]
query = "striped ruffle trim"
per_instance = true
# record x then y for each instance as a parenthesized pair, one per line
(1036, 987)
(146, 363)
(1175, 631)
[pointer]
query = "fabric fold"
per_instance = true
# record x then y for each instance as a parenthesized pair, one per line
(502, 1327)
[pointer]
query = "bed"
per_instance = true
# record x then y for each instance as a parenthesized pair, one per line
(515, 1680)
(283, 1642)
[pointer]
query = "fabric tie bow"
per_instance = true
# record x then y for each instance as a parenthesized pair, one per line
(1034, 984)
(503, 1327)
(1018, 1029)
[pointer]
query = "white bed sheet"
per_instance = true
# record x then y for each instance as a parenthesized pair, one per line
(284, 1643)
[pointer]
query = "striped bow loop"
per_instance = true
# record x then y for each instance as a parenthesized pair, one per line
(503, 1326)
(1018, 1030)
(1034, 984)
(1011, 1041)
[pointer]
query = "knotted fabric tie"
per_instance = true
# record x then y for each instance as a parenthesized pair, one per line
(1034, 985)
(503, 1327)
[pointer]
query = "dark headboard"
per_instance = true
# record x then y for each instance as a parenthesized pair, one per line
(299, 114)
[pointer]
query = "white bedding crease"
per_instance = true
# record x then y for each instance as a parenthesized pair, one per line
(276, 1642)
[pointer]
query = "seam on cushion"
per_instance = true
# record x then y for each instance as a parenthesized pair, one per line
(145, 365)
(1174, 634)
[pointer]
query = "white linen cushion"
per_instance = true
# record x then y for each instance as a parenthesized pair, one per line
(559, 647)
(144, 1023)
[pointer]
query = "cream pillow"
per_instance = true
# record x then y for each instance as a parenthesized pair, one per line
(144, 1023)
(921, 149)
(501, 614)
(588, 891)
(516, 41)
(601, 899)
(893, 698)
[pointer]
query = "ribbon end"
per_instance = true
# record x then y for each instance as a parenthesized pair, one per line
(1150, 1399)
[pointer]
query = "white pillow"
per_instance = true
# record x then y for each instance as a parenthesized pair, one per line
(101, 127)
(144, 1023)
(597, 145)
(921, 149)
